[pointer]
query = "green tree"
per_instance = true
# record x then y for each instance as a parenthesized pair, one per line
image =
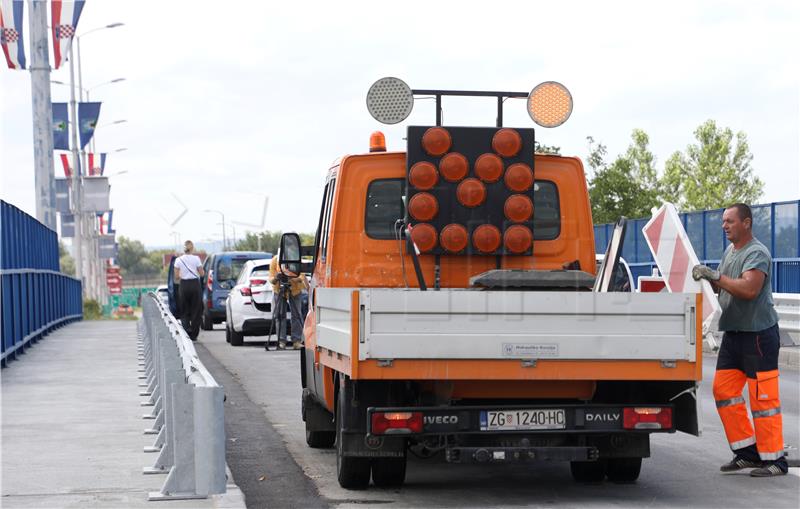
(65, 262)
(627, 187)
(713, 173)
(541, 148)
(270, 241)
(134, 260)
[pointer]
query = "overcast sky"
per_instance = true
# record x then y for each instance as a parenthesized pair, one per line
(229, 102)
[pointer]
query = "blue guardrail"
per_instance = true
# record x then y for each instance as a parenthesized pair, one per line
(774, 224)
(36, 297)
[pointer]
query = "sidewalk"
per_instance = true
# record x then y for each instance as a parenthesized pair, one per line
(72, 425)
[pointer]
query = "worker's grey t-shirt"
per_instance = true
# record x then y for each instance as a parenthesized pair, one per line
(747, 315)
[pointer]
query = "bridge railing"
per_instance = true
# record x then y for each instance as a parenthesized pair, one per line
(187, 408)
(36, 297)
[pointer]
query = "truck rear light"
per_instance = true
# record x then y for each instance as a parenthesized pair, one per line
(245, 290)
(647, 418)
(396, 423)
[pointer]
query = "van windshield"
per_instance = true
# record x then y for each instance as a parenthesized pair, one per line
(229, 268)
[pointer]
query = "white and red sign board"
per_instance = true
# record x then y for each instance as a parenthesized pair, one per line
(113, 280)
(651, 284)
(675, 258)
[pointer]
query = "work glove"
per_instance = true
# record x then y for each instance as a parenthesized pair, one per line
(703, 272)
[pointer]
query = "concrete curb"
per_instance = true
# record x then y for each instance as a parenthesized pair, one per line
(233, 498)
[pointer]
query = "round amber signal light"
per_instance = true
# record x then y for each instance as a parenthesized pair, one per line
(471, 192)
(550, 104)
(423, 206)
(518, 238)
(518, 208)
(486, 238)
(424, 236)
(453, 167)
(436, 141)
(507, 142)
(519, 177)
(454, 238)
(489, 168)
(423, 175)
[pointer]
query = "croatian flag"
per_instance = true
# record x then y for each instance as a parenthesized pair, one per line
(105, 219)
(11, 33)
(64, 22)
(97, 164)
(65, 164)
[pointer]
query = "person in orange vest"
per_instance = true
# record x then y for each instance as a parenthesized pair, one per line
(749, 350)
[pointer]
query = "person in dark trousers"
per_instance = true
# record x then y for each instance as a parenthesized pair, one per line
(189, 269)
(749, 350)
(297, 284)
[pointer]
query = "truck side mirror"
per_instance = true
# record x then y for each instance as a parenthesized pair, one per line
(290, 252)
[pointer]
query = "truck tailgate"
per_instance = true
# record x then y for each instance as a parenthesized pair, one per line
(469, 324)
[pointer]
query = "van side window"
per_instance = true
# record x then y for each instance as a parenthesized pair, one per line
(384, 207)
(546, 211)
(326, 220)
(318, 235)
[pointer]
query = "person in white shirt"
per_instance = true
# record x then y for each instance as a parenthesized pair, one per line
(189, 269)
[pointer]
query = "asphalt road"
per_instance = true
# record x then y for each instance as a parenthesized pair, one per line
(272, 464)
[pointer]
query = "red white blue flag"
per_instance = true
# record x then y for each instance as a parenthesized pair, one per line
(11, 33)
(97, 164)
(64, 23)
(66, 165)
(104, 222)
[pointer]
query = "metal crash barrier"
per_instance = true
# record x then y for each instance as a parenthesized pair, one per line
(187, 408)
(788, 307)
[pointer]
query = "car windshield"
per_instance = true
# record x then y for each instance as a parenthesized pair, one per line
(228, 269)
(260, 272)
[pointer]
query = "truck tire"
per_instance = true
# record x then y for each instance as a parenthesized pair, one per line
(351, 472)
(237, 338)
(588, 471)
(389, 472)
(624, 470)
(205, 321)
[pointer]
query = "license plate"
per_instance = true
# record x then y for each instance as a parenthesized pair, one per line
(522, 419)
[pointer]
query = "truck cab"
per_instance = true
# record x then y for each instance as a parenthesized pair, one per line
(448, 317)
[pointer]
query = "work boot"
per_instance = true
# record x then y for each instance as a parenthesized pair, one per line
(770, 470)
(739, 463)
(297, 345)
(282, 344)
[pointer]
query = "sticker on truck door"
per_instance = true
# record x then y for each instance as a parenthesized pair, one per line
(530, 350)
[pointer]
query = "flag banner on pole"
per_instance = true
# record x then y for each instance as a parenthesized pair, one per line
(88, 113)
(105, 220)
(11, 33)
(95, 194)
(62, 195)
(65, 164)
(64, 22)
(97, 164)
(60, 123)
(67, 225)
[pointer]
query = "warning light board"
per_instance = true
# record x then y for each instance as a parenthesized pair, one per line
(472, 189)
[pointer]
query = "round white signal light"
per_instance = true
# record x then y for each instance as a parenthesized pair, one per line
(390, 100)
(550, 104)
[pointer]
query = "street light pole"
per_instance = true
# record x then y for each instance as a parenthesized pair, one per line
(224, 240)
(76, 175)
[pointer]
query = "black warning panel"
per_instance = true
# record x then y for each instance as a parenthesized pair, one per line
(470, 190)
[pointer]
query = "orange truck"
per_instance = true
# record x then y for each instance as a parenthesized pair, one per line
(454, 309)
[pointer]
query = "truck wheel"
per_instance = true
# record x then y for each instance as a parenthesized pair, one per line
(237, 338)
(352, 473)
(624, 470)
(205, 322)
(389, 472)
(588, 471)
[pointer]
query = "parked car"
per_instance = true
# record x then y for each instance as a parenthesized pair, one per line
(248, 308)
(221, 272)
